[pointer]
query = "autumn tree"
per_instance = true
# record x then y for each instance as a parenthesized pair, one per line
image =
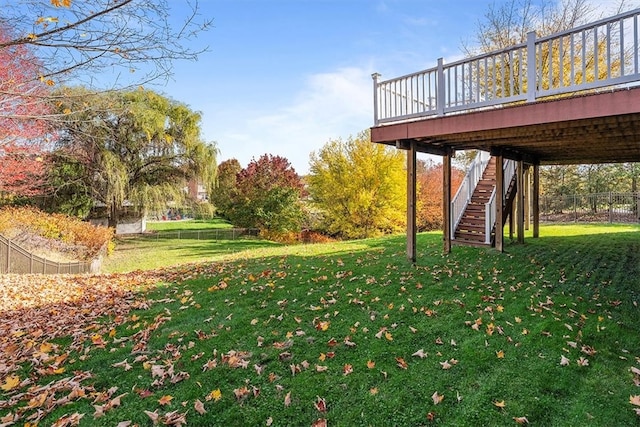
(267, 196)
(138, 148)
(225, 188)
(23, 136)
(429, 193)
(359, 186)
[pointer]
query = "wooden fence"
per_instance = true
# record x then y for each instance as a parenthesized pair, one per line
(17, 260)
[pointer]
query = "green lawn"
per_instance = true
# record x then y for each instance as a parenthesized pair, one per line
(191, 224)
(178, 242)
(547, 331)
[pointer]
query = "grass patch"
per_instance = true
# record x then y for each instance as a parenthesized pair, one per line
(261, 338)
(192, 224)
(148, 253)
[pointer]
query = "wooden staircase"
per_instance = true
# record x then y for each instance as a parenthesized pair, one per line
(471, 228)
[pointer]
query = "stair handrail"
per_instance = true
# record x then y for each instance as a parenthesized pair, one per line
(467, 187)
(509, 169)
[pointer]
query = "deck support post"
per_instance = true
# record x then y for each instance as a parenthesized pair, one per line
(536, 201)
(446, 202)
(520, 201)
(411, 202)
(499, 239)
(527, 197)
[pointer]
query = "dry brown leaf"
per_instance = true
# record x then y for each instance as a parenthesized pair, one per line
(445, 365)
(199, 407)
(320, 404)
(437, 398)
(420, 353)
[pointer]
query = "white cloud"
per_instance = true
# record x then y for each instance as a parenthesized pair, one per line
(330, 105)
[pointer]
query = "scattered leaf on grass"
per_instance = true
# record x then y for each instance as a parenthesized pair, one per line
(320, 404)
(10, 382)
(437, 398)
(199, 407)
(165, 400)
(420, 353)
(401, 363)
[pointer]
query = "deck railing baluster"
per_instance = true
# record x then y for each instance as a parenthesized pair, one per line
(574, 60)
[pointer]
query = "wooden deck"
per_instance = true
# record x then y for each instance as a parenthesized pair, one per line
(515, 105)
(596, 128)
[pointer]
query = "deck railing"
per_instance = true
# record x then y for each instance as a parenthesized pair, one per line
(509, 168)
(600, 54)
(467, 187)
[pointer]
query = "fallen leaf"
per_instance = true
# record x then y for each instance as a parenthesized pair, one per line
(321, 405)
(153, 415)
(241, 393)
(563, 361)
(165, 400)
(10, 382)
(500, 354)
(437, 398)
(199, 407)
(347, 369)
(634, 400)
(320, 422)
(287, 399)
(215, 395)
(371, 364)
(521, 420)
(499, 404)
(401, 363)
(445, 365)
(420, 353)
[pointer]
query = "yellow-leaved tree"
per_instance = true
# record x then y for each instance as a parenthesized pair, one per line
(359, 187)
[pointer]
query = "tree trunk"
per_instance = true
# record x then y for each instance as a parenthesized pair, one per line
(113, 215)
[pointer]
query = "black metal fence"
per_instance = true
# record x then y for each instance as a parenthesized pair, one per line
(15, 259)
(596, 207)
(212, 234)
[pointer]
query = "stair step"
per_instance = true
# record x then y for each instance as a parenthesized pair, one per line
(471, 229)
(470, 238)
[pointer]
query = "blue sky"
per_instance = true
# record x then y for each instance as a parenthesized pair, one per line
(286, 76)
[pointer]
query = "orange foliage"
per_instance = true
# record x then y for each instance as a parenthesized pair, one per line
(429, 197)
(56, 227)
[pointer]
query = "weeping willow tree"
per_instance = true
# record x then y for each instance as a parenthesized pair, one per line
(138, 149)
